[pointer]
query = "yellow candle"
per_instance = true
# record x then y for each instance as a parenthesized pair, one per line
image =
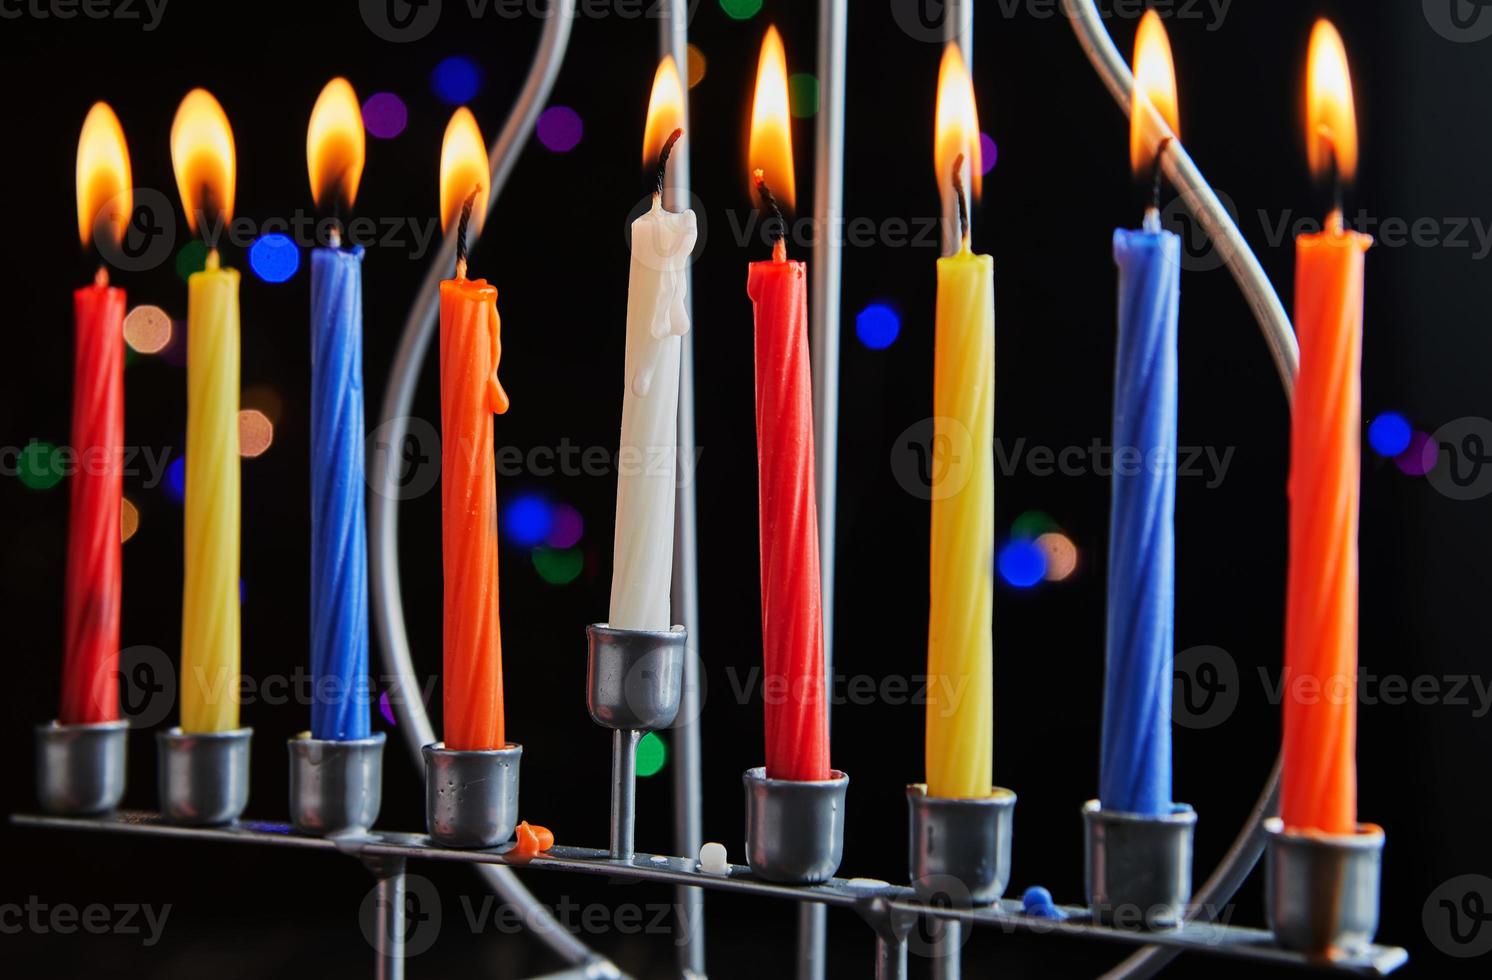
(210, 614)
(960, 646)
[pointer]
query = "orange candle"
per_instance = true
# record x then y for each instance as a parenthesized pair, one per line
(1319, 788)
(470, 348)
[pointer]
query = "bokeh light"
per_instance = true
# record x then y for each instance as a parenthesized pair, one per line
(1022, 564)
(255, 433)
(526, 520)
(558, 566)
(129, 519)
(39, 465)
(1060, 553)
(385, 115)
(560, 128)
(878, 325)
(652, 753)
(1389, 434)
(456, 80)
(803, 94)
(147, 329)
(697, 65)
(175, 482)
(988, 153)
(1419, 457)
(192, 258)
(741, 9)
(274, 257)
(1032, 524)
(565, 527)
(264, 398)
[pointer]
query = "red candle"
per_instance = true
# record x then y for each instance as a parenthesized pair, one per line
(797, 736)
(91, 604)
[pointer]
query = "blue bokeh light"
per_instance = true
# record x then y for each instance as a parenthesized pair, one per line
(1022, 563)
(175, 485)
(456, 80)
(1389, 434)
(274, 257)
(878, 326)
(527, 520)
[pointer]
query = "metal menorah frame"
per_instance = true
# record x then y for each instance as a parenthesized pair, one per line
(891, 911)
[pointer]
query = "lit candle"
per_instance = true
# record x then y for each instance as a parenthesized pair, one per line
(203, 157)
(1319, 784)
(90, 668)
(470, 348)
(796, 709)
(662, 240)
(339, 536)
(1135, 756)
(960, 641)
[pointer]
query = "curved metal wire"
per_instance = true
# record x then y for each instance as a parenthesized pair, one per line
(1279, 335)
(383, 510)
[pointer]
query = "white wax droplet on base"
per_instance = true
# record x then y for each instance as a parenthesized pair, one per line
(712, 859)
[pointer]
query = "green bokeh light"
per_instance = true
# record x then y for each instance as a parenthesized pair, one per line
(192, 258)
(1032, 524)
(803, 95)
(558, 566)
(741, 9)
(651, 754)
(39, 466)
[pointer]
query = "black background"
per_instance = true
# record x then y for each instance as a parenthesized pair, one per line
(555, 248)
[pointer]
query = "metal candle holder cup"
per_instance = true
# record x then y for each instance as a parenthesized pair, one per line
(959, 849)
(634, 683)
(1139, 867)
(794, 830)
(1322, 890)
(471, 795)
(80, 768)
(335, 785)
(203, 777)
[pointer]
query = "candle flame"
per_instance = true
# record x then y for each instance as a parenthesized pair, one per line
(665, 110)
(335, 144)
(957, 125)
(463, 169)
(771, 146)
(105, 190)
(1331, 119)
(202, 156)
(1152, 114)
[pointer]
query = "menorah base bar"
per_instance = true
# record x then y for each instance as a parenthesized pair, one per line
(959, 849)
(203, 777)
(1139, 867)
(471, 796)
(794, 830)
(1322, 890)
(336, 786)
(80, 769)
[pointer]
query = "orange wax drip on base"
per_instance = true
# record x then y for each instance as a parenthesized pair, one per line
(1319, 786)
(470, 349)
(532, 839)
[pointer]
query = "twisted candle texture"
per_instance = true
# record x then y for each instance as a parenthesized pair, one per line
(797, 738)
(1318, 790)
(1135, 765)
(210, 629)
(959, 751)
(90, 669)
(339, 536)
(470, 349)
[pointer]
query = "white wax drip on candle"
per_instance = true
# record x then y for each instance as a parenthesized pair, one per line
(642, 566)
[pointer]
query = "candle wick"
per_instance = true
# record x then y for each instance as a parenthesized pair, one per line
(663, 160)
(1157, 174)
(963, 201)
(101, 277)
(334, 235)
(471, 199)
(777, 224)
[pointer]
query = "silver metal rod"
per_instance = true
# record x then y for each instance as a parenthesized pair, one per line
(387, 608)
(688, 791)
(891, 958)
(623, 793)
(813, 934)
(947, 953)
(390, 933)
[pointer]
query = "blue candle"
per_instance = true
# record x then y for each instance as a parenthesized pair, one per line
(1135, 769)
(339, 539)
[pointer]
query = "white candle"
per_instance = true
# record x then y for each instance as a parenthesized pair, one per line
(657, 317)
